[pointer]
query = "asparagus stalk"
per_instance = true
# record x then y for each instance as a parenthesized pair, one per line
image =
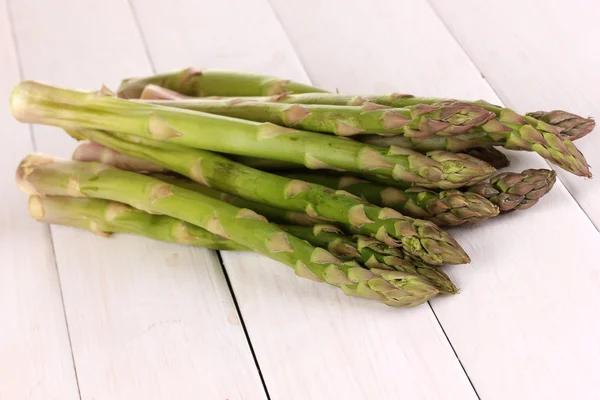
(43, 175)
(512, 191)
(490, 155)
(420, 238)
(214, 82)
(449, 207)
(91, 151)
(37, 103)
(508, 129)
(569, 125)
(371, 253)
(443, 119)
(104, 217)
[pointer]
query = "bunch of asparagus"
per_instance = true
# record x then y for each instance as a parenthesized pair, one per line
(227, 160)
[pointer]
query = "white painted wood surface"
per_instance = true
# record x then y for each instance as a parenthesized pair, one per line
(154, 321)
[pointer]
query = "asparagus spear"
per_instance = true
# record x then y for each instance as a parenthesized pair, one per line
(90, 151)
(43, 175)
(449, 207)
(512, 191)
(214, 82)
(420, 238)
(371, 253)
(490, 155)
(569, 125)
(509, 129)
(37, 103)
(104, 217)
(444, 119)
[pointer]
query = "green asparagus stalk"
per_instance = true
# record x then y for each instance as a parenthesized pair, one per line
(90, 151)
(214, 82)
(449, 207)
(490, 155)
(444, 119)
(508, 129)
(43, 175)
(37, 103)
(104, 217)
(371, 253)
(569, 125)
(512, 191)
(420, 238)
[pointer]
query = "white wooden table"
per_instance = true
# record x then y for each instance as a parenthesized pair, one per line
(89, 318)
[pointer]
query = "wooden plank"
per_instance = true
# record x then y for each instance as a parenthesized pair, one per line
(311, 341)
(147, 320)
(545, 56)
(35, 355)
(524, 324)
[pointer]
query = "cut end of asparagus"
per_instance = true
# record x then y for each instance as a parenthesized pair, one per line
(36, 208)
(155, 92)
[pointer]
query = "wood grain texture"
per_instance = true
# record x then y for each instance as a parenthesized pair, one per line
(35, 355)
(311, 341)
(147, 320)
(522, 325)
(543, 56)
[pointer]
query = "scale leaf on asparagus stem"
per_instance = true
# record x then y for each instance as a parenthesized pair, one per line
(43, 175)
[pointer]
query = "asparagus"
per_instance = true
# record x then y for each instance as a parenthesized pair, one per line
(569, 125)
(90, 151)
(43, 175)
(371, 253)
(37, 103)
(490, 155)
(444, 119)
(509, 129)
(104, 217)
(512, 191)
(449, 207)
(214, 82)
(420, 238)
